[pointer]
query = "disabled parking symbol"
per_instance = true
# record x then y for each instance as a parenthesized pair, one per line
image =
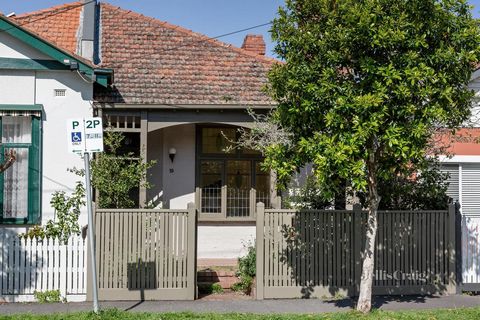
(76, 137)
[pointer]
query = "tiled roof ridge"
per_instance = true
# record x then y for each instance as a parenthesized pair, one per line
(39, 36)
(186, 31)
(46, 10)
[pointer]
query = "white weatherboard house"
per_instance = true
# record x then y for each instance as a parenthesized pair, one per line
(464, 166)
(464, 187)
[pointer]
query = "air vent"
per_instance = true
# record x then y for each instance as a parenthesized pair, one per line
(60, 92)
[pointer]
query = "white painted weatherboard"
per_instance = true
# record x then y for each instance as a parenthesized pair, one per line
(471, 189)
(465, 186)
(453, 188)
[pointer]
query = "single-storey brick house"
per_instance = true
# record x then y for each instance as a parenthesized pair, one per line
(179, 97)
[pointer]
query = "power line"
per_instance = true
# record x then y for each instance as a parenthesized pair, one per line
(204, 39)
(157, 52)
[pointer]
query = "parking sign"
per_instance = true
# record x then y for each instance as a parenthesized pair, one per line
(85, 135)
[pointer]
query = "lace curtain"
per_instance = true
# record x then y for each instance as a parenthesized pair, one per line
(15, 179)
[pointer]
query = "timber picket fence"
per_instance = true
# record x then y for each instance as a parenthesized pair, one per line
(146, 254)
(29, 265)
(316, 253)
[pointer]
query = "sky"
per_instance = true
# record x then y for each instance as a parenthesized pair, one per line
(210, 17)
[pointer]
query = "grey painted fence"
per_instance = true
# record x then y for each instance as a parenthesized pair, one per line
(316, 253)
(146, 254)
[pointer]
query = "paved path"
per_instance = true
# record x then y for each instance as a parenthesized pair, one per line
(252, 306)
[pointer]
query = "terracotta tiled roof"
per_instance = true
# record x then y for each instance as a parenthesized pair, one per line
(159, 63)
(58, 24)
(466, 141)
(156, 62)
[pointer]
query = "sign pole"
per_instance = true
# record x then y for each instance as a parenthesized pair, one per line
(91, 236)
(85, 136)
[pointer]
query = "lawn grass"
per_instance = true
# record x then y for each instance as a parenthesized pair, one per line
(113, 314)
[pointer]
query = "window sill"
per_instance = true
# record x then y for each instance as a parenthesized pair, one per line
(18, 223)
(220, 218)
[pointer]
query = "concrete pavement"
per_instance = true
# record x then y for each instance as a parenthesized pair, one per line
(299, 306)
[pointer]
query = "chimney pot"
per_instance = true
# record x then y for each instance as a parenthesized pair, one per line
(254, 43)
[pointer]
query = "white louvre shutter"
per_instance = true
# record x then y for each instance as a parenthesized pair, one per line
(471, 189)
(453, 187)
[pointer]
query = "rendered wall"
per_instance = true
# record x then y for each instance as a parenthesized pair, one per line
(56, 159)
(224, 242)
(37, 87)
(179, 175)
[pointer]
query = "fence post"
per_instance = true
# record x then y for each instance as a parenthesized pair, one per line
(192, 252)
(198, 199)
(63, 268)
(259, 241)
(452, 278)
(357, 246)
(458, 247)
(253, 201)
(223, 202)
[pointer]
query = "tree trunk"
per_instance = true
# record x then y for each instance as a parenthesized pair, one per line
(365, 297)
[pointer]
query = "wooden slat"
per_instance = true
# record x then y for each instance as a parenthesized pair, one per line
(21, 267)
(161, 254)
(170, 258)
(408, 244)
(180, 275)
(114, 250)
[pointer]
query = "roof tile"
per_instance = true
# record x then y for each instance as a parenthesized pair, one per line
(57, 24)
(156, 62)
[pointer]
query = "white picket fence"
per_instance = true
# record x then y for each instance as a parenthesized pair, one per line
(29, 265)
(471, 249)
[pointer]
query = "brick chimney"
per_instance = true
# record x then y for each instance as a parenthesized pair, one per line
(254, 43)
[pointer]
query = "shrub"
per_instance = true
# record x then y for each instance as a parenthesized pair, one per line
(246, 270)
(117, 174)
(47, 296)
(217, 288)
(214, 288)
(67, 210)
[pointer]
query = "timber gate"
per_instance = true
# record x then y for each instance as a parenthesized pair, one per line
(145, 254)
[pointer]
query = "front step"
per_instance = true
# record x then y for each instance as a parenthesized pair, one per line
(225, 276)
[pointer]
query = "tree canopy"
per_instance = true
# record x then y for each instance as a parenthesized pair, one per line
(368, 79)
(364, 86)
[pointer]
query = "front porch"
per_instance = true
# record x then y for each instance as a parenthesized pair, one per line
(196, 160)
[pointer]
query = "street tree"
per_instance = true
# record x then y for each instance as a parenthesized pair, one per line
(362, 87)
